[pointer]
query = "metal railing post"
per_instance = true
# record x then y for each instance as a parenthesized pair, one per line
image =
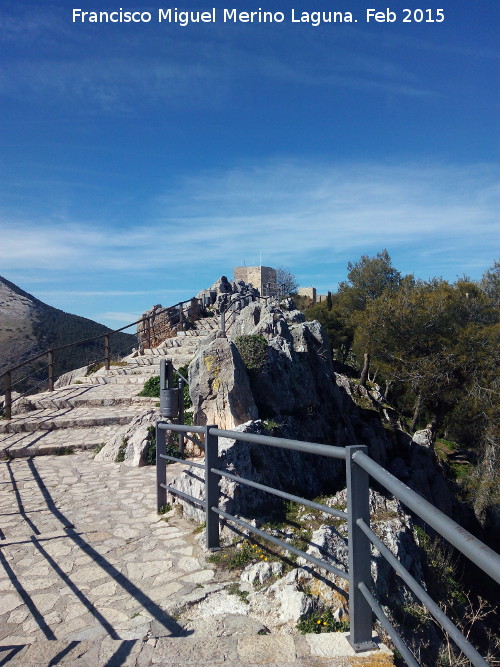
(181, 414)
(223, 323)
(181, 317)
(161, 468)
(50, 355)
(106, 352)
(358, 507)
(7, 410)
(148, 331)
(211, 489)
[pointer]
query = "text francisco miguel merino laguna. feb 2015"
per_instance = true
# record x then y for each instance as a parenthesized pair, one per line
(184, 18)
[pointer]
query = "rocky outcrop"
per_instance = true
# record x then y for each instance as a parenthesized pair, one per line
(219, 386)
(222, 293)
(70, 377)
(159, 323)
(131, 445)
(299, 395)
(394, 527)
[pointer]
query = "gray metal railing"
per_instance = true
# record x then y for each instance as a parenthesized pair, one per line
(360, 536)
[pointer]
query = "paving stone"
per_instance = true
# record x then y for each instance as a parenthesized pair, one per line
(10, 602)
(266, 649)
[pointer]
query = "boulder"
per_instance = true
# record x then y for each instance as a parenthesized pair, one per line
(279, 604)
(219, 386)
(68, 378)
(132, 442)
(259, 573)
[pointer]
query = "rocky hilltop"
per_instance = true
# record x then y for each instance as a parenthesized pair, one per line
(28, 326)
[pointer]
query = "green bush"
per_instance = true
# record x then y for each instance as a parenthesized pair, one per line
(253, 351)
(321, 621)
(120, 457)
(171, 449)
(152, 386)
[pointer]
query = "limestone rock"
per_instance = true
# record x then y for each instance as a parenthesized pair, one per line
(219, 386)
(260, 572)
(68, 378)
(134, 440)
(424, 438)
(281, 603)
(393, 526)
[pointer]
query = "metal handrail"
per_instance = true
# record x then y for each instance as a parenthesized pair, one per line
(461, 539)
(7, 374)
(360, 536)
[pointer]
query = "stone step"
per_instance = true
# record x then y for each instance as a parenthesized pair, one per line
(328, 649)
(137, 380)
(178, 342)
(84, 395)
(130, 369)
(83, 401)
(170, 351)
(68, 418)
(58, 441)
(103, 380)
(152, 360)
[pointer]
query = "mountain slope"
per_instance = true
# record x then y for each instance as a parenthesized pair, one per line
(28, 326)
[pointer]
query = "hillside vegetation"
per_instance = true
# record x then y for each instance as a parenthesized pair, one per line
(433, 348)
(28, 327)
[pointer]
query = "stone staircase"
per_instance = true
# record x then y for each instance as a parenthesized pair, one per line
(90, 575)
(95, 407)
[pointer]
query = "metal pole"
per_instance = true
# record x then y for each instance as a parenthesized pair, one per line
(51, 369)
(148, 331)
(358, 507)
(211, 489)
(181, 414)
(223, 323)
(106, 352)
(181, 317)
(7, 410)
(161, 468)
(170, 373)
(480, 554)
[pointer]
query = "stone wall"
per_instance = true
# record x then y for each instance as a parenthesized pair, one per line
(164, 323)
(258, 276)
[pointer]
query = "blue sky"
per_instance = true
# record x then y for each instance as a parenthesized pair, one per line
(139, 162)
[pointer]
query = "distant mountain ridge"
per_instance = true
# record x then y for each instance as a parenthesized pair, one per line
(29, 326)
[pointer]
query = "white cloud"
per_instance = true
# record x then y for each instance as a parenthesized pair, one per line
(296, 213)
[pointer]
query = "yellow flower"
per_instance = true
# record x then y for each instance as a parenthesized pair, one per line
(318, 622)
(265, 558)
(324, 622)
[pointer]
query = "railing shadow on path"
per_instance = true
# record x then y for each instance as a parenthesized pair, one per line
(171, 626)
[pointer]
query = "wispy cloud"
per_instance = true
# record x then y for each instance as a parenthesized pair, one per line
(297, 213)
(202, 69)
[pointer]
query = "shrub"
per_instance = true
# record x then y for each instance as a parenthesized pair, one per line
(151, 387)
(120, 457)
(253, 351)
(321, 621)
(150, 452)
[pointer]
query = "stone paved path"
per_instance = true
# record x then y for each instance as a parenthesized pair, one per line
(91, 575)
